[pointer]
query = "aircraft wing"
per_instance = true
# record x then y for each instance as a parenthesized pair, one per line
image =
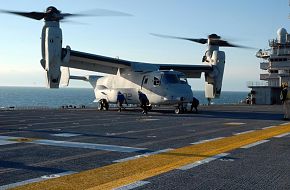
(97, 63)
(191, 71)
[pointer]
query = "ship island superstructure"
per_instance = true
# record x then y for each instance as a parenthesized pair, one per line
(276, 66)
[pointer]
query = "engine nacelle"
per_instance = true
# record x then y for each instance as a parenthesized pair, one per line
(213, 80)
(52, 59)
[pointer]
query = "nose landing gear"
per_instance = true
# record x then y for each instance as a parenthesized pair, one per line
(181, 107)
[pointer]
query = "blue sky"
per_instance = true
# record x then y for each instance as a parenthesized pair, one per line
(246, 22)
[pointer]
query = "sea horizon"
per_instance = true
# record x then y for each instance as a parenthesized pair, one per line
(25, 96)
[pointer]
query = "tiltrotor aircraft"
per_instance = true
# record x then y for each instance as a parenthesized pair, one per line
(163, 84)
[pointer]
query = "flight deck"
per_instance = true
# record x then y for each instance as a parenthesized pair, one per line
(221, 147)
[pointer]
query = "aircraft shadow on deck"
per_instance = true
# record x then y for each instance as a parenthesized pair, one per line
(219, 114)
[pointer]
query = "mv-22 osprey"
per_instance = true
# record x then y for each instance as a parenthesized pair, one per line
(163, 84)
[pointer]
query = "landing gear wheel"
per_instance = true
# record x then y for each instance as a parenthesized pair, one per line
(149, 107)
(177, 111)
(180, 109)
(100, 106)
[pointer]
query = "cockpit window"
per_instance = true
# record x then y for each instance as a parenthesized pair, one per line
(156, 81)
(174, 79)
(170, 78)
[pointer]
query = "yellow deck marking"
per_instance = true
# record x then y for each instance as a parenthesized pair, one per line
(24, 140)
(120, 174)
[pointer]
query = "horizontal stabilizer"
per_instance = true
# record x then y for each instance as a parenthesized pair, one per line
(92, 79)
(84, 78)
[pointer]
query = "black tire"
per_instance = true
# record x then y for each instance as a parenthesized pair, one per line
(177, 111)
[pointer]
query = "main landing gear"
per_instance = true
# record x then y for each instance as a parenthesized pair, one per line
(103, 104)
(180, 109)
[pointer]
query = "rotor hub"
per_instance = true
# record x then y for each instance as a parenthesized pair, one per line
(214, 36)
(52, 14)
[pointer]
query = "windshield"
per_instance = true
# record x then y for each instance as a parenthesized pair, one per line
(170, 78)
(174, 79)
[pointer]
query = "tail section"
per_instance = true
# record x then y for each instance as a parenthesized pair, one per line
(92, 79)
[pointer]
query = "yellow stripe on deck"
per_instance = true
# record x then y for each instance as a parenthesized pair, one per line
(124, 173)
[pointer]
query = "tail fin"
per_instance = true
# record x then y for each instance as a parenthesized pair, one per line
(65, 76)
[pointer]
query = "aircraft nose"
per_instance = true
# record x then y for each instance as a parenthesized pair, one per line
(178, 94)
(176, 98)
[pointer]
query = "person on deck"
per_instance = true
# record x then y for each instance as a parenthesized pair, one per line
(194, 104)
(120, 100)
(144, 102)
(285, 99)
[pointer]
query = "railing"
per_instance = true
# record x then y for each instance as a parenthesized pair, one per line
(256, 83)
(284, 65)
(264, 76)
(269, 76)
(264, 65)
(273, 42)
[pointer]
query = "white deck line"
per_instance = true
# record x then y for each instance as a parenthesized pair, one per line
(245, 132)
(106, 147)
(269, 127)
(132, 185)
(282, 135)
(255, 144)
(114, 148)
(34, 180)
(149, 119)
(207, 140)
(7, 137)
(142, 155)
(204, 161)
(234, 123)
(5, 142)
(66, 134)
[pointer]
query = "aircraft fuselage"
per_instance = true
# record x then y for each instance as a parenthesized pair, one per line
(161, 87)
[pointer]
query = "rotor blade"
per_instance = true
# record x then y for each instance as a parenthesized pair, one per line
(73, 22)
(32, 15)
(198, 40)
(223, 43)
(105, 12)
(66, 15)
(92, 13)
(96, 12)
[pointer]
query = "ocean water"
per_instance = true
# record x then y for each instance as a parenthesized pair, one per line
(25, 97)
(43, 97)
